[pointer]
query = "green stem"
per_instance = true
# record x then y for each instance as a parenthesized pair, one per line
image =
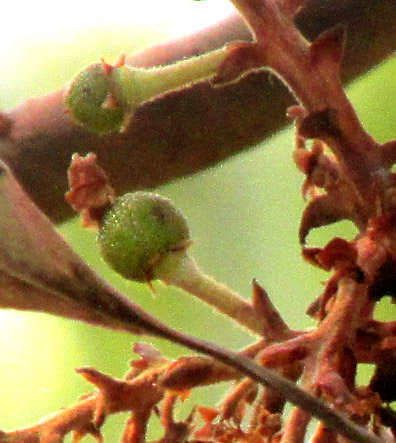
(134, 86)
(104, 97)
(181, 270)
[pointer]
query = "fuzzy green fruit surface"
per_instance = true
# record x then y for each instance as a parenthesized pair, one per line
(138, 230)
(86, 101)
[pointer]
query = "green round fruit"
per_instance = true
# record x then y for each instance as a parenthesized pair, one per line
(86, 98)
(138, 230)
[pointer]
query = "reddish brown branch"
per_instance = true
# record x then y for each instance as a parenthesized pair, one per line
(186, 131)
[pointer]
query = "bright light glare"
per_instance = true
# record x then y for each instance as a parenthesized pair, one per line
(25, 357)
(42, 18)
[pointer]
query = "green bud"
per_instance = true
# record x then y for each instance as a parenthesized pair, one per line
(138, 231)
(87, 99)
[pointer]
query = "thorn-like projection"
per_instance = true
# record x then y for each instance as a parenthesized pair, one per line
(322, 210)
(326, 51)
(275, 328)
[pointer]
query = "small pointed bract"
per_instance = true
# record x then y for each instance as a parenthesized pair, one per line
(326, 51)
(321, 211)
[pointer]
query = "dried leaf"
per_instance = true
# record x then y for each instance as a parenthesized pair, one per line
(90, 190)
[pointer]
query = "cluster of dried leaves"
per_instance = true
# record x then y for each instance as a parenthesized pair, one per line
(348, 176)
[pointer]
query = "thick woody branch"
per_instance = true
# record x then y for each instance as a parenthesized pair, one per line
(183, 132)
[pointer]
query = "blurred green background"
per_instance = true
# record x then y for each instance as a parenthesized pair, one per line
(244, 216)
